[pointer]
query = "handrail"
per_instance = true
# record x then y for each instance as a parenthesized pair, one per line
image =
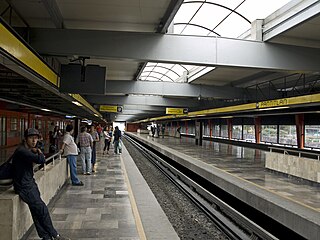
(51, 159)
(286, 151)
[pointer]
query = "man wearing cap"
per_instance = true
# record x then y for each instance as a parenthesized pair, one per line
(24, 184)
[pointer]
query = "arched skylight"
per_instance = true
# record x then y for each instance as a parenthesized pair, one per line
(225, 18)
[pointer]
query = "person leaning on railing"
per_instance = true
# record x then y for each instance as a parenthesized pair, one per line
(25, 185)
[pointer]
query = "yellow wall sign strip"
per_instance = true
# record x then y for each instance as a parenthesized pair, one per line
(18, 50)
(176, 111)
(289, 101)
(108, 108)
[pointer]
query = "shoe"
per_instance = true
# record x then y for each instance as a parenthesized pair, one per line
(59, 237)
(93, 170)
(88, 173)
(78, 184)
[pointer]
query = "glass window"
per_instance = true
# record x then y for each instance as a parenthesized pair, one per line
(13, 124)
(237, 131)
(248, 133)
(224, 131)
(288, 134)
(312, 136)
(216, 131)
(269, 133)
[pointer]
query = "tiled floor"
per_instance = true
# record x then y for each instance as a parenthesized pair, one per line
(100, 209)
(246, 163)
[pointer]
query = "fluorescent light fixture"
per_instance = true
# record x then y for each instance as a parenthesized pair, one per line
(70, 116)
(274, 108)
(45, 109)
(77, 103)
(227, 117)
(96, 115)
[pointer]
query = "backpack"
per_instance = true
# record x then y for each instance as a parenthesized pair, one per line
(6, 172)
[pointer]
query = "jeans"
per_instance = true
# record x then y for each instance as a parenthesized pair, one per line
(39, 212)
(85, 156)
(93, 153)
(117, 149)
(72, 160)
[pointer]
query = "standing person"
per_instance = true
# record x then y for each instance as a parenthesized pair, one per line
(163, 128)
(70, 150)
(24, 184)
(153, 130)
(107, 140)
(158, 130)
(179, 131)
(116, 140)
(96, 138)
(86, 142)
(54, 143)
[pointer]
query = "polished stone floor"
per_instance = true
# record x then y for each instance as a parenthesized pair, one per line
(246, 163)
(100, 209)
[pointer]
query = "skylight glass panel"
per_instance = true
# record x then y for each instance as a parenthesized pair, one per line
(186, 12)
(210, 16)
(195, 30)
(260, 9)
(178, 69)
(227, 3)
(233, 26)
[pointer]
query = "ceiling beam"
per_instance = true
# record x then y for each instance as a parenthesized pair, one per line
(54, 12)
(173, 89)
(169, 15)
(291, 15)
(144, 100)
(197, 50)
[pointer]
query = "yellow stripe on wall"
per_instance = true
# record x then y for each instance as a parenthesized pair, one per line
(85, 103)
(17, 49)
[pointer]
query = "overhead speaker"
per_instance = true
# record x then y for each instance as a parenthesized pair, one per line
(89, 79)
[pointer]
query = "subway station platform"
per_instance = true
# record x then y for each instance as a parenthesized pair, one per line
(114, 203)
(241, 172)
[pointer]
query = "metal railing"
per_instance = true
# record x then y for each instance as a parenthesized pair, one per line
(50, 160)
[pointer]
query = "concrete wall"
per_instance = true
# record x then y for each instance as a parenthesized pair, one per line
(15, 217)
(304, 168)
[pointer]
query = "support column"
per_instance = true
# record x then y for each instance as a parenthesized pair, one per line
(229, 123)
(210, 127)
(198, 133)
(257, 129)
(186, 124)
(76, 128)
(300, 130)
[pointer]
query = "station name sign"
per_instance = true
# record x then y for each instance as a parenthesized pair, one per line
(110, 108)
(273, 103)
(176, 111)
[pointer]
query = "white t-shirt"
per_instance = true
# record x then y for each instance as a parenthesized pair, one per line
(70, 147)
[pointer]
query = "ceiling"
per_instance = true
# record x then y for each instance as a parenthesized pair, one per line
(146, 16)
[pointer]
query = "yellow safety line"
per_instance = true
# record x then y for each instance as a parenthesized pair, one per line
(135, 210)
